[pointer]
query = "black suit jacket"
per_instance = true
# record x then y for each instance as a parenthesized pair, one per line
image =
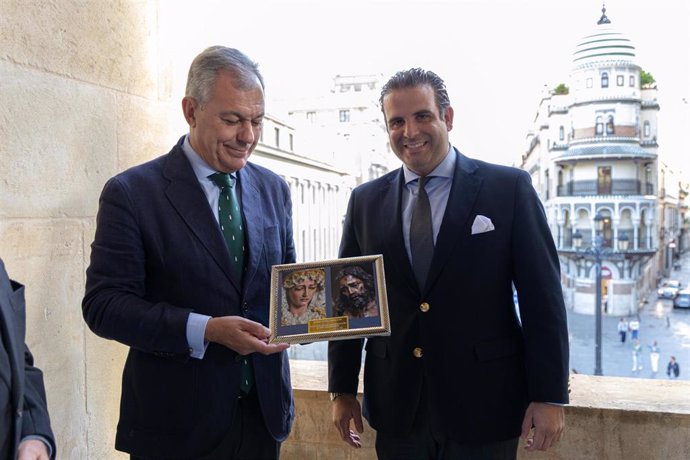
(23, 407)
(481, 367)
(158, 255)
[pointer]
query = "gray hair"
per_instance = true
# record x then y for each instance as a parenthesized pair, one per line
(205, 67)
(418, 77)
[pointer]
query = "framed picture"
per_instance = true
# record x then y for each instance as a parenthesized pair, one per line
(329, 300)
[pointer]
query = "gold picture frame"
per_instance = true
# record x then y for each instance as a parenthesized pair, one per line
(329, 300)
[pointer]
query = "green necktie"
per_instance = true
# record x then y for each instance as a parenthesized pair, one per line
(230, 219)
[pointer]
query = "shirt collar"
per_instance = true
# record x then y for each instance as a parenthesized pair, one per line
(201, 169)
(445, 169)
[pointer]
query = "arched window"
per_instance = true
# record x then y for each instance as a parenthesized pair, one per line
(604, 79)
(609, 125)
(647, 129)
(599, 126)
(561, 133)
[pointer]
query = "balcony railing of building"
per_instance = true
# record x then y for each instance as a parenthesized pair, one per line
(614, 187)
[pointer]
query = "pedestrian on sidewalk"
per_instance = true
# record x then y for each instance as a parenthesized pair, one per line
(654, 351)
(673, 369)
(634, 326)
(623, 328)
(636, 352)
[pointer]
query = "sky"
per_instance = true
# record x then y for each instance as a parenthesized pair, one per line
(495, 56)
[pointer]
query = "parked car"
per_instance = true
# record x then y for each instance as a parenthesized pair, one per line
(682, 300)
(669, 289)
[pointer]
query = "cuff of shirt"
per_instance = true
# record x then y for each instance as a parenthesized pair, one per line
(42, 439)
(196, 327)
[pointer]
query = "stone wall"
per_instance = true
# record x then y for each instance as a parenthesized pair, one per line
(609, 418)
(83, 97)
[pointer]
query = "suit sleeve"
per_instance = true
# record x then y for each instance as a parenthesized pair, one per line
(114, 306)
(536, 271)
(35, 419)
(345, 356)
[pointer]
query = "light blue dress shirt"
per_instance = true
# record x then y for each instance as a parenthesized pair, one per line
(438, 190)
(196, 323)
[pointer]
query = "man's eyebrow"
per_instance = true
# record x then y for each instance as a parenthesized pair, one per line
(239, 115)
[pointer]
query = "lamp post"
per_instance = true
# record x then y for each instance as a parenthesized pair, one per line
(597, 250)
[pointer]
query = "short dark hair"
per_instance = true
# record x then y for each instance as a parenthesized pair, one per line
(418, 77)
(205, 67)
(357, 272)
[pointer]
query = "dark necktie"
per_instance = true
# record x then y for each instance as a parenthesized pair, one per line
(421, 234)
(230, 220)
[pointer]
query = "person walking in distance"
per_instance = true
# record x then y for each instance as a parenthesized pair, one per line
(654, 351)
(622, 329)
(636, 352)
(634, 326)
(673, 369)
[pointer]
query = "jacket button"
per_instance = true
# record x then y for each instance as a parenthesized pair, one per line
(424, 307)
(417, 352)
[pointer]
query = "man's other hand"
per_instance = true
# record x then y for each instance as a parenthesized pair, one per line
(242, 335)
(32, 449)
(346, 408)
(548, 421)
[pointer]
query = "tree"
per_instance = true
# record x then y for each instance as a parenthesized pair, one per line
(647, 80)
(561, 89)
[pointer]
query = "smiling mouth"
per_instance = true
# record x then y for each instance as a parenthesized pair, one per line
(415, 145)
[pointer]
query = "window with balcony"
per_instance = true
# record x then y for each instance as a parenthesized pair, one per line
(609, 125)
(277, 136)
(344, 116)
(604, 79)
(620, 80)
(599, 126)
(647, 129)
(604, 180)
(631, 81)
(561, 133)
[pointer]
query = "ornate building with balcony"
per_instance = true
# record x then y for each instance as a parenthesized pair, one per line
(593, 151)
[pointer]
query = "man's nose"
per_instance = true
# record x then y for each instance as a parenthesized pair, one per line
(246, 132)
(411, 129)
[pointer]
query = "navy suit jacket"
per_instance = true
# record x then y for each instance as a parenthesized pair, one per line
(480, 365)
(23, 407)
(159, 254)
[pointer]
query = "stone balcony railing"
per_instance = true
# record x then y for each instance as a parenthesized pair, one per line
(608, 418)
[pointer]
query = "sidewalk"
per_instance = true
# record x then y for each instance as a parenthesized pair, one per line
(658, 321)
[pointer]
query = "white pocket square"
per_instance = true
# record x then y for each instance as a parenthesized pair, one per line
(482, 224)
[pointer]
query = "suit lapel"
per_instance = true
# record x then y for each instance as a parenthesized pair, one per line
(463, 194)
(391, 219)
(252, 210)
(186, 196)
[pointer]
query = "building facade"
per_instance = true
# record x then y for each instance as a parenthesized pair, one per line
(345, 127)
(592, 156)
(319, 191)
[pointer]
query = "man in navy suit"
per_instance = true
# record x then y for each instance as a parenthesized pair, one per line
(25, 432)
(200, 380)
(461, 376)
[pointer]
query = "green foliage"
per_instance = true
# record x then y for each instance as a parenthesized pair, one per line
(647, 80)
(561, 89)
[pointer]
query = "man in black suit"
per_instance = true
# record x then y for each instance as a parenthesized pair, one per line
(25, 432)
(180, 272)
(461, 376)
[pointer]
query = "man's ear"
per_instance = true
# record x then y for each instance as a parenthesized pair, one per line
(189, 108)
(448, 117)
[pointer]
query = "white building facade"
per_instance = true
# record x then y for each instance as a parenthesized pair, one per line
(593, 151)
(319, 191)
(345, 127)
